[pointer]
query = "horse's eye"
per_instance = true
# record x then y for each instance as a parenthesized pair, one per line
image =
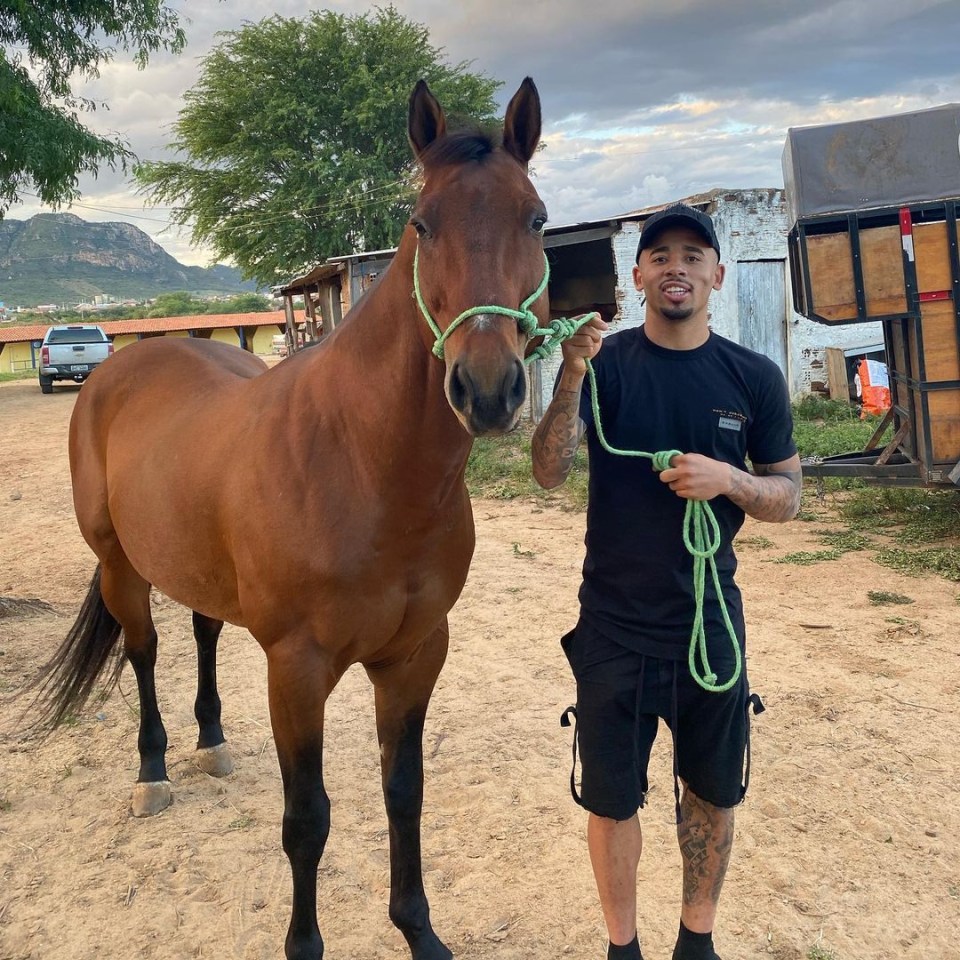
(539, 222)
(419, 226)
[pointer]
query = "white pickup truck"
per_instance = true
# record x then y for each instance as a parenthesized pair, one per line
(72, 353)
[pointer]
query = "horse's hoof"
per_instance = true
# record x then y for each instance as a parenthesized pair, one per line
(428, 946)
(216, 761)
(150, 798)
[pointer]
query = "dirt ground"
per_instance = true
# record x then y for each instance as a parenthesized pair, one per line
(847, 848)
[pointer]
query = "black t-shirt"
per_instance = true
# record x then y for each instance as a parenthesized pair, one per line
(720, 400)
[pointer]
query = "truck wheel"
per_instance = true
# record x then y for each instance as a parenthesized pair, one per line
(46, 384)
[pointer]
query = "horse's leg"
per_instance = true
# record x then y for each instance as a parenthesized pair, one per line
(300, 679)
(127, 596)
(402, 692)
(213, 755)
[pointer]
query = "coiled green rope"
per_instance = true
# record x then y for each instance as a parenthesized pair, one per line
(701, 531)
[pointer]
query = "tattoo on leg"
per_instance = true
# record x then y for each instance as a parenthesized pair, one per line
(705, 833)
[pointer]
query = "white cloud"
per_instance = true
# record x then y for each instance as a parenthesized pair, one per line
(643, 102)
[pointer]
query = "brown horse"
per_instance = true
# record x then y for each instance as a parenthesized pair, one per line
(321, 503)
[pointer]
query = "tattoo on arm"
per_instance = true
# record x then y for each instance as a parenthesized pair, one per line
(556, 439)
(766, 494)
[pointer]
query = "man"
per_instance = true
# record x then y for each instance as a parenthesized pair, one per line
(670, 384)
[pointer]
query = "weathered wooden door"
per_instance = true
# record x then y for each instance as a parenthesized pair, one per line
(762, 303)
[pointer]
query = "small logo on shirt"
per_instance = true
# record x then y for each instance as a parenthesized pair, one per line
(729, 423)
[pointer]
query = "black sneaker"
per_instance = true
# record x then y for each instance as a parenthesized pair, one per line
(629, 951)
(679, 953)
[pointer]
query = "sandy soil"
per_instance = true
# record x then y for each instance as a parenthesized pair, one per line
(846, 848)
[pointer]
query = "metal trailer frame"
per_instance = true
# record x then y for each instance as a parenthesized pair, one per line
(890, 465)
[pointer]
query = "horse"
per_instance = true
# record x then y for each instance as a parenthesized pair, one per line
(319, 503)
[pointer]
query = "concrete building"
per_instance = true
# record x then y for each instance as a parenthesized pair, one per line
(592, 268)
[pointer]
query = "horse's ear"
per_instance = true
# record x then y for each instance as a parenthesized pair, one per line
(425, 120)
(521, 126)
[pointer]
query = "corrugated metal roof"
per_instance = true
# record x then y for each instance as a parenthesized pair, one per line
(320, 272)
(701, 200)
(115, 328)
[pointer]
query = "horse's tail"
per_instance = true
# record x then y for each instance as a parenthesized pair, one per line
(66, 682)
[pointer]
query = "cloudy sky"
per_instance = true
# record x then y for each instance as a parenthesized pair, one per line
(644, 102)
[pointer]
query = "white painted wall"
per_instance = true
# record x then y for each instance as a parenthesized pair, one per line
(750, 225)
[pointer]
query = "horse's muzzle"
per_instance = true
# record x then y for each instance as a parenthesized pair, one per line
(487, 400)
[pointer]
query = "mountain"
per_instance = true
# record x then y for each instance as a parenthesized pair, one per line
(59, 258)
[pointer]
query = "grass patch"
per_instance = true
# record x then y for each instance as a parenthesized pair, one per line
(932, 520)
(500, 469)
(805, 558)
(241, 823)
(935, 510)
(761, 543)
(944, 561)
(843, 540)
(912, 516)
(824, 428)
(812, 408)
(816, 952)
(828, 440)
(882, 598)
(19, 375)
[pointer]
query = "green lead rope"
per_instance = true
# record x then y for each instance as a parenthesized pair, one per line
(701, 531)
(701, 537)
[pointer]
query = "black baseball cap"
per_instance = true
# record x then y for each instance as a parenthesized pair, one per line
(677, 215)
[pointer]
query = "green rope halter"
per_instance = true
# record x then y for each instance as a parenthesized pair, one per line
(559, 330)
(701, 531)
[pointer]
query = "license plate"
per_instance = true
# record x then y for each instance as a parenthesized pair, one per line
(80, 366)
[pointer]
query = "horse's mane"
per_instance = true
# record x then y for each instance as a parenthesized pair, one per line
(462, 146)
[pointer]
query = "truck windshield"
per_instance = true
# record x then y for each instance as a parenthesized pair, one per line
(78, 335)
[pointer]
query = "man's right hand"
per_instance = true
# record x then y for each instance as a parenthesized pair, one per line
(558, 434)
(583, 345)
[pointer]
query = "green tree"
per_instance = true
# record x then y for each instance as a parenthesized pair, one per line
(241, 303)
(294, 138)
(45, 45)
(176, 304)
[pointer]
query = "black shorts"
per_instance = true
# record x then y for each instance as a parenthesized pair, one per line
(621, 696)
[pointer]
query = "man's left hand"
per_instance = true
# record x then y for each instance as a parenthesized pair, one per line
(696, 477)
